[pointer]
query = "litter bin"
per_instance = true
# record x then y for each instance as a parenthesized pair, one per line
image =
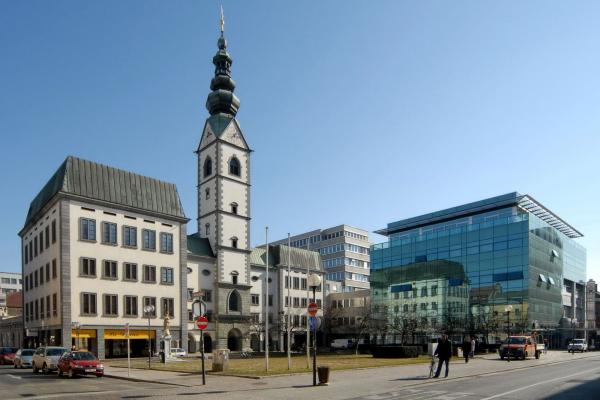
(323, 372)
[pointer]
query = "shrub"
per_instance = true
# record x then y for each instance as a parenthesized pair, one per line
(396, 351)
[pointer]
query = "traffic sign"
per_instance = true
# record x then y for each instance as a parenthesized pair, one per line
(202, 323)
(314, 323)
(312, 309)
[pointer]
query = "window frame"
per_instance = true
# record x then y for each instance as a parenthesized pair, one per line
(116, 270)
(110, 228)
(152, 235)
(82, 310)
(128, 268)
(116, 305)
(90, 230)
(131, 302)
(166, 239)
(164, 270)
(148, 267)
(127, 233)
(81, 267)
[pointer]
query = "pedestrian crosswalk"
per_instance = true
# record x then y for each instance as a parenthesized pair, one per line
(420, 394)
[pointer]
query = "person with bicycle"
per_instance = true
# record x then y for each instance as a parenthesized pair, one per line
(444, 352)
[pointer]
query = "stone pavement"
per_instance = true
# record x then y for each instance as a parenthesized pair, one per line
(343, 384)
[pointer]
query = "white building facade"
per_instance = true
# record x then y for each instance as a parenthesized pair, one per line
(98, 245)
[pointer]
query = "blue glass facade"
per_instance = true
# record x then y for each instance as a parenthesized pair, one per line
(456, 270)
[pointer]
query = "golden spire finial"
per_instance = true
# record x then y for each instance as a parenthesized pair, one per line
(222, 21)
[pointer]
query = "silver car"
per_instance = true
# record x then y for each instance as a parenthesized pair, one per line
(23, 358)
(46, 358)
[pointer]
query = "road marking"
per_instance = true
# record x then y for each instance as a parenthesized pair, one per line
(14, 376)
(539, 383)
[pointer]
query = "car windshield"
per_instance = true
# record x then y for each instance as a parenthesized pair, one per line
(516, 340)
(83, 355)
(578, 341)
(55, 352)
(27, 352)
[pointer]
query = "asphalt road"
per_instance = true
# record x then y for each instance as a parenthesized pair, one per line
(577, 379)
(23, 383)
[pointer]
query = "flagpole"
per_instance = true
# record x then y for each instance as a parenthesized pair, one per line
(305, 311)
(289, 317)
(267, 303)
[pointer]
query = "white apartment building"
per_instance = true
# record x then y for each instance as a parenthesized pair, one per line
(344, 253)
(10, 282)
(288, 293)
(98, 245)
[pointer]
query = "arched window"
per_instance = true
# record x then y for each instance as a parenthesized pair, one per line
(234, 207)
(234, 242)
(207, 167)
(234, 277)
(234, 301)
(234, 166)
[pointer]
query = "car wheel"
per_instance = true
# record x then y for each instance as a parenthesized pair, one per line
(35, 369)
(70, 373)
(15, 365)
(99, 375)
(502, 357)
(45, 370)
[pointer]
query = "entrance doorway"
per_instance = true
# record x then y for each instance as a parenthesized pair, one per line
(234, 340)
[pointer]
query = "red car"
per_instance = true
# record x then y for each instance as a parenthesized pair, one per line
(75, 363)
(7, 355)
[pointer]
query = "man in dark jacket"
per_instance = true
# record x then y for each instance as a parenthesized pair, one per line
(444, 352)
(466, 348)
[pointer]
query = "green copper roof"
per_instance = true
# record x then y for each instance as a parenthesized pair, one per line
(222, 99)
(95, 181)
(278, 255)
(199, 246)
(219, 122)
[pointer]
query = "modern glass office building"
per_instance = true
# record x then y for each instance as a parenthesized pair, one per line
(459, 270)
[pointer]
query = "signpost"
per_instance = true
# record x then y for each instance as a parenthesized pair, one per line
(202, 324)
(312, 309)
(128, 350)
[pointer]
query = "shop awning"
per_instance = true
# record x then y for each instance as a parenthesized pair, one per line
(133, 334)
(84, 333)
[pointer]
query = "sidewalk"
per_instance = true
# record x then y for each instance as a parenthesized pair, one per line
(343, 384)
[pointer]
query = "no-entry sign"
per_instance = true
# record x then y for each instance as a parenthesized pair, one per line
(312, 309)
(202, 323)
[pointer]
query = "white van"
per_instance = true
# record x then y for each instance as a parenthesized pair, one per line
(339, 344)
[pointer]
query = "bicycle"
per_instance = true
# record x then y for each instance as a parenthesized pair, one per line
(245, 354)
(432, 366)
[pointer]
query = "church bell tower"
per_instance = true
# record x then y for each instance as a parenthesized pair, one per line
(224, 203)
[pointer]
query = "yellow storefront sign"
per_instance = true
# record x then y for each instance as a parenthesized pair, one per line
(83, 333)
(133, 334)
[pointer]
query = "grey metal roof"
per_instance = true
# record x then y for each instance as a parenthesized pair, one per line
(278, 255)
(525, 202)
(100, 182)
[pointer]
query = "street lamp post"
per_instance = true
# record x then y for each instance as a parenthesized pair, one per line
(314, 281)
(149, 310)
(508, 309)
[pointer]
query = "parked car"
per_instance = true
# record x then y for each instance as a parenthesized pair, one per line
(75, 363)
(178, 352)
(340, 344)
(46, 358)
(577, 345)
(519, 347)
(23, 358)
(7, 355)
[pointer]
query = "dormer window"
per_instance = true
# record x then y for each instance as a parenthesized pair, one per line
(234, 166)
(207, 167)
(234, 242)
(234, 208)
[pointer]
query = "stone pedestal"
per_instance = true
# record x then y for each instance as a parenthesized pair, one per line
(167, 346)
(220, 360)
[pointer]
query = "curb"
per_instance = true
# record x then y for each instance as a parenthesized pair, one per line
(128, 378)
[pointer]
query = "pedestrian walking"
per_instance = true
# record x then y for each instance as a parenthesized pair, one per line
(444, 353)
(466, 348)
(473, 347)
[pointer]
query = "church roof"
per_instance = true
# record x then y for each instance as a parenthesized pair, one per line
(199, 246)
(278, 256)
(94, 181)
(219, 122)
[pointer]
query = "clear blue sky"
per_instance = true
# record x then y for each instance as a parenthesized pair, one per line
(359, 112)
